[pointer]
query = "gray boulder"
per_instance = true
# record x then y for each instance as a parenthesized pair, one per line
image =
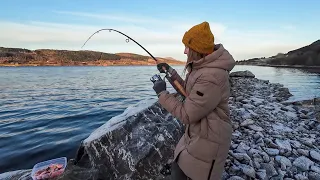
(136, 145)
(246, 74)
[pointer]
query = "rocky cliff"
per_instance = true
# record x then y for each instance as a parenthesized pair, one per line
(307, 56)
(272, 139)
(48, 57)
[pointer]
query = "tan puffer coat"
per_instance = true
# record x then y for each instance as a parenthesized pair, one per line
(203, 149)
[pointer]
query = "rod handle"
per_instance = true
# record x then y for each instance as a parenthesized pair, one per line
(180, 88)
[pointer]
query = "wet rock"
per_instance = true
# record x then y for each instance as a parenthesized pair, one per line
(241, 156)
(262, 174)
(314, 176)
(303, 163)
(248, 170)
(240, 98)
(308, 141)
(315, 155)
(295, 144)
(271, 152)
(284, 144)
(300, 177)
(234, 169)
(236, 178)
(303, 116)
(16, 175)
(247, 122)
(242, 148)
(271, 171)
(315, 169)
(256, 164)
(284, 162)
(248, 106)
(303, 152)
(265, 157)
(278, 127)
(304, 111)
(255, 127)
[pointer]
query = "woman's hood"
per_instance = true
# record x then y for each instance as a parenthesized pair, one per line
(220, 58)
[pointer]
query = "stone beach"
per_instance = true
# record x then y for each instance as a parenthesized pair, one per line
(272, 139)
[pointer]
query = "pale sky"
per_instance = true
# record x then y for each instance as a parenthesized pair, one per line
(247, 29)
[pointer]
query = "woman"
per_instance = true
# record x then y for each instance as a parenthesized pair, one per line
(202, 151)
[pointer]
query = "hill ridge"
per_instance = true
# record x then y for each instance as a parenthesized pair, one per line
(54, 57)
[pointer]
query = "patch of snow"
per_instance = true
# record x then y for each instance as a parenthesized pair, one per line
(119, 120)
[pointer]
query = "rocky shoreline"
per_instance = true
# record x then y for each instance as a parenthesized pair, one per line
(272, 139)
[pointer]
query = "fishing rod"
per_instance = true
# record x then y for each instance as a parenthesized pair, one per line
(177, 86)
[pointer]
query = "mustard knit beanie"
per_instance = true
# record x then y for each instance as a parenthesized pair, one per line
(199, 38)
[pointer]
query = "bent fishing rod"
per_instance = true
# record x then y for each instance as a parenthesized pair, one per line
(174, 83)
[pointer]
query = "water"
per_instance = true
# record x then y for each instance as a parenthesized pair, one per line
(45, 112)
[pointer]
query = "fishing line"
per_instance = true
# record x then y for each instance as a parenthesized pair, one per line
(174, 83)
(127, 40)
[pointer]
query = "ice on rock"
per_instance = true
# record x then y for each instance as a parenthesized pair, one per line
(22, 174)
(119, 120)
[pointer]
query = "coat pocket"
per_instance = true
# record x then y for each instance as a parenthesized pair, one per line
(203, 149)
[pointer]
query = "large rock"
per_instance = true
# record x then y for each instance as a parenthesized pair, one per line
(136, 145)
(16, 175)
(246, 74)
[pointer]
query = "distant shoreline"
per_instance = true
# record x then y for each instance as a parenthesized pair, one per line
(33, 65)
(282, 66)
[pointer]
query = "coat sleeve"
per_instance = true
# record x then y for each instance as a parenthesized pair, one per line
(203, 98)
(176, 76)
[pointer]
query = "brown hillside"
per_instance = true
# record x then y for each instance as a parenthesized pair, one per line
(307, 56)
(49, 57)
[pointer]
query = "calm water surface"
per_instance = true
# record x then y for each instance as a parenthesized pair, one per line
(45, 112)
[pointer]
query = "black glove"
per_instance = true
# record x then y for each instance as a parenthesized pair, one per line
(159, 86)
(160, 65)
